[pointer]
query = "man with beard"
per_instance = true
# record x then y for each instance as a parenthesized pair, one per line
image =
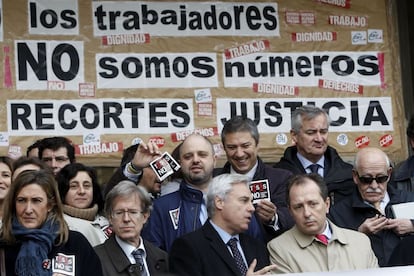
(185, 210)
(368, 209)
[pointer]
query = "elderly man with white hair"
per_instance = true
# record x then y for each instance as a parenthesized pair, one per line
(368, 210)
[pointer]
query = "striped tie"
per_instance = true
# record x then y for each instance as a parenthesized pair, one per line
(139, 258)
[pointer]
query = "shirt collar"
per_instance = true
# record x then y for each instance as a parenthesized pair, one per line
(305, 162)
(383, 202)
(327, 232)
(223, 234)
(249, 174)
(128, 248)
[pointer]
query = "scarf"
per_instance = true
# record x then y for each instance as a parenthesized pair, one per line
(36, 244)
(87, 213)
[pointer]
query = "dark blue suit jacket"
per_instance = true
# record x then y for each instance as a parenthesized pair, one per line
(278, 179)
(203, 253)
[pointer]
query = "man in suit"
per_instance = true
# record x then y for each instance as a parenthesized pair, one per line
(207, 251)
(185, 210)
(315, 244)
(240, 139)
(128, 207)
(309, 132)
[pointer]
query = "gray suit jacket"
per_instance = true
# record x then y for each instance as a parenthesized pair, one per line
(114, 261)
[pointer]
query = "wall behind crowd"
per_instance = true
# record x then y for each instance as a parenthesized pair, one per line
(108, 74)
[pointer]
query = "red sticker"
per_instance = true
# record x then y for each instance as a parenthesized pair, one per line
(158, 140)
(386, 140)
(108, 147)
(362, 141)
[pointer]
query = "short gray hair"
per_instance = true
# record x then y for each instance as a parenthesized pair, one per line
(307, 112)
(126, 188)
(240, 124)
(220, 186)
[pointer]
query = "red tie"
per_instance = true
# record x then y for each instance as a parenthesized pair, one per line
(322, 238)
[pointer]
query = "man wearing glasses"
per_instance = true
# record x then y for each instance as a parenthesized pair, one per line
(128, 207)
(368, 209)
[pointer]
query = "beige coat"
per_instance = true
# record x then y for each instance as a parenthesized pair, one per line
(294, 252)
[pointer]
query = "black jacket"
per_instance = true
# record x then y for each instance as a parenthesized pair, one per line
(203, 253)
(87, 263)
(277, 179)
(403, 252)
(337, 173)
(353, 211)
(403, 177)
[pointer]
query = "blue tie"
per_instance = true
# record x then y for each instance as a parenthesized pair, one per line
(139, 258)
(232, 243)
(314, 168)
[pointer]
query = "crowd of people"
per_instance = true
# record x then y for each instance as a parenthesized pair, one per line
(315, 212)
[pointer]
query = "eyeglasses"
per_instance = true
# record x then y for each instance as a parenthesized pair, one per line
(132, 213)
(368, 179)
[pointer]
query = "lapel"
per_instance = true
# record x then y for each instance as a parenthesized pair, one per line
(260, 172)
(217, 245)
(114, 251)
(155, 261)
(248, 249)
(298, 165)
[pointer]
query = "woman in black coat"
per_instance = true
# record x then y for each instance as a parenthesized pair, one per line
(35, 239)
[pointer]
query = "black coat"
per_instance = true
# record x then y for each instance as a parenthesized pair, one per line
(403, 175)
(115, 262)
(87, 262)
(277, 179)
(403, 252)
(203, 253)
(337, 172)
(352, 212)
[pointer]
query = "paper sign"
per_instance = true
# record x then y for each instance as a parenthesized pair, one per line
(164, 166)
(64, 264)
(260, 190)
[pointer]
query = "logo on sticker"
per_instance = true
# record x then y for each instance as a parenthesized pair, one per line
(386, 140)
(362, 141)
(342, 139)
(136, 141)
(158, 140)
(174, 215)
(281, 139)
(91, 138)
